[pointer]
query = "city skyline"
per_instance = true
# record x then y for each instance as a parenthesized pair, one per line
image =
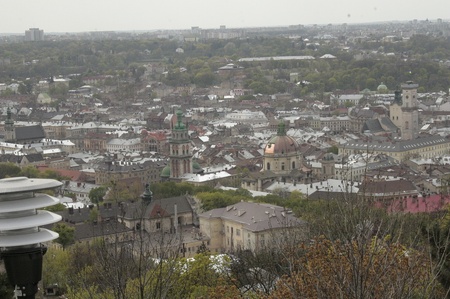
(101, 15)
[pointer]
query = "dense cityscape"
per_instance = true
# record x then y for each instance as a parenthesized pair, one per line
(306, 161)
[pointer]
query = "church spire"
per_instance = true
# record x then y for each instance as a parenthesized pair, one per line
(179, 125)
(147, 196)
(9, 120)
(281, 129)
(398, 97)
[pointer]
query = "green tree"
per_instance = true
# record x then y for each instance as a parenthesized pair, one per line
(25, 87)
(93, 215)
(9, 170)
(50, 174)
(204, 78)
(58, 90)
(55, 208)
(30, 171)
(66, 234)
(96, 195)
(333, 149)
(6, 289)
(219, 199)
(7, 92)
(56, 268)
(75, 82)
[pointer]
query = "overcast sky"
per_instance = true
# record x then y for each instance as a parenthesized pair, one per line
(104, 15)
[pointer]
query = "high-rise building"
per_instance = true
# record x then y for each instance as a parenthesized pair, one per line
(34, 34)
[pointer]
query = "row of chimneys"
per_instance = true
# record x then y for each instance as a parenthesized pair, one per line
(106, 205)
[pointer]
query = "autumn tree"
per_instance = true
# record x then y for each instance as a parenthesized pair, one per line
(437, 233)
(378, 269)
(128, 265)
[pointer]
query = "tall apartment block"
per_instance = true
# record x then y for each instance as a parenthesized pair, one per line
(34, 34)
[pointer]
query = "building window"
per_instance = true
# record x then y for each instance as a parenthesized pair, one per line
(228, 229)
(238, 232)
(158, 225)
(268, 166)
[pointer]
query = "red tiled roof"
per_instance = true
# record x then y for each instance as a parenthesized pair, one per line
(158, 135)
(395, 186)
(158, 211)
(426, 204)
(74, 175)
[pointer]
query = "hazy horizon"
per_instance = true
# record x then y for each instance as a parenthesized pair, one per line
(137, 15)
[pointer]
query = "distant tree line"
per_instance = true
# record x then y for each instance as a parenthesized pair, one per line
(415, 59)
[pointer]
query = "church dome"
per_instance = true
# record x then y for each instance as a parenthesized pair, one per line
(382, 87)
(281, 144)
(165, 173)
(196, 167)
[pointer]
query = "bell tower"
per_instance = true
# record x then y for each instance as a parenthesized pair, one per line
(404, 111)
(10, 135)
(180, 150)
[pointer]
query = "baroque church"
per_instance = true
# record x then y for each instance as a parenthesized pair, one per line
(282, 161)
(282, 154)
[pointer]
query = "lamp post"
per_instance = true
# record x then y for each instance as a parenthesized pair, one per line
(21, 236)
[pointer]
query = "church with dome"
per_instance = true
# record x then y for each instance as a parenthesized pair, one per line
(282, 161)
(281, 154)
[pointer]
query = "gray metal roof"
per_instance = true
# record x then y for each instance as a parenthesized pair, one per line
(30, 132)
(396, 145)
(255, 217)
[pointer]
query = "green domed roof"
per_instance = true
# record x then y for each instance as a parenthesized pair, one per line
(165, 173)
(382, 87)
(196, 166)
(179, 125)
